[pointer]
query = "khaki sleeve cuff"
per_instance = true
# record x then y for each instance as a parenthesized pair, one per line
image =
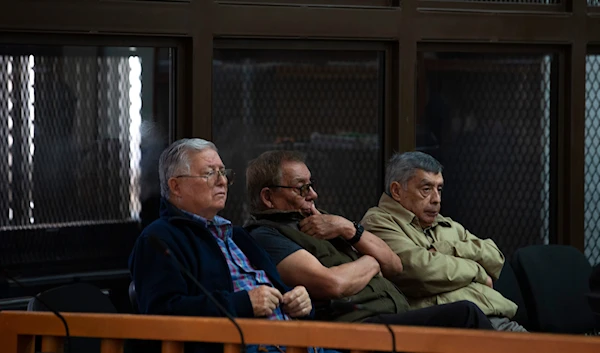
(481, 276)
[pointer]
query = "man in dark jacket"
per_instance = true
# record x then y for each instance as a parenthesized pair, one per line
(335, 259)
(225, 259)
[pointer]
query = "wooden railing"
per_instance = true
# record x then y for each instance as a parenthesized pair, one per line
(18, 330)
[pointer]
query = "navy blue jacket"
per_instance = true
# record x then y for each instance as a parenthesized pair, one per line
(162, 288)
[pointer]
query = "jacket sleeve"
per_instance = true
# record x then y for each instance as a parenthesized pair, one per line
(161, 287)
(425, 273)
(483, 251)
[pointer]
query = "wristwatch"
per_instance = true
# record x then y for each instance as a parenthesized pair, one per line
(357, 235)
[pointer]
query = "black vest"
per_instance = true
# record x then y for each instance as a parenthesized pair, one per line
(380, 296)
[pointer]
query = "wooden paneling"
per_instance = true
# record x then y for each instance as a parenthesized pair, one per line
(301, 334)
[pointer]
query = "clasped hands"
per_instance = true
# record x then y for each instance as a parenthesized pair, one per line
(295, 303)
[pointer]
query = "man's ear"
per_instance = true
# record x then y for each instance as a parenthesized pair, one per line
(265, 197)
(396, 190)
(174, 188)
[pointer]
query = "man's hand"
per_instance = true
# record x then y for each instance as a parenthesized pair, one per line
(326, 226)
(489, 283)
(264, 300)
(296, 303)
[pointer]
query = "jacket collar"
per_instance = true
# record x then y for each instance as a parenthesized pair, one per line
(277, 216)
(174, 214)
(387, 203)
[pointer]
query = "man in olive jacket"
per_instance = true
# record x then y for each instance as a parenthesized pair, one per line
(443, 262)
(341, 265)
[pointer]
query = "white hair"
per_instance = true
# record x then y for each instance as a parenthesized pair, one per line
(175, 160)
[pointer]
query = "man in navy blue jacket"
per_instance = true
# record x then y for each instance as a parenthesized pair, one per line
(225, 259)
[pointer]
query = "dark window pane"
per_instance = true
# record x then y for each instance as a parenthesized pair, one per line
(80, 133)
(486, 117)
(592, 159)
(328, 104)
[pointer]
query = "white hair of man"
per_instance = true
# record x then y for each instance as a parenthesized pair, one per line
(403, 166)
(175, 160)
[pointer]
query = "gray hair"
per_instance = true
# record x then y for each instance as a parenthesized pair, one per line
(403, 166)
(175, 160)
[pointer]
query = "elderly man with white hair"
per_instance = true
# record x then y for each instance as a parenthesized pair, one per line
(223, 258)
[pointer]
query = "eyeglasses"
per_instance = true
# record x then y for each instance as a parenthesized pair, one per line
(304, 189)
(212, 175)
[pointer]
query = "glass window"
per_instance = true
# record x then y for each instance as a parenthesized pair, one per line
(486, 118)
(328, 104)
(592, 159)
(81, 129)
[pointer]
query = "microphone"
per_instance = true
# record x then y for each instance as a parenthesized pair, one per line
(161, 247)
(349, 306)
(67, 346)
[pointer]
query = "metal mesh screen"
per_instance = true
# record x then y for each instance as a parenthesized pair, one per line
(328, 104)
(77, 147)
(68, 131)
(592, 159)
(486, 117)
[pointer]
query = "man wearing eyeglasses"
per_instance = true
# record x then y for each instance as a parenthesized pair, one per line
(223, 258)
(341, 265)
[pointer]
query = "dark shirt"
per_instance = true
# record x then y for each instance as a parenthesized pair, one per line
(277, 246)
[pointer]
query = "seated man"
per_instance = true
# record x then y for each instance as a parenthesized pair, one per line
(443, 262)
(225, 259)
(318, 251)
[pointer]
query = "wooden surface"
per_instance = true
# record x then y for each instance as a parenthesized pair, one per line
(52, 344)
(172, 347)
(291, 333)
(109, 345)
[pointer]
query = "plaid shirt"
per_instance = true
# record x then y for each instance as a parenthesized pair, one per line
(243, 274)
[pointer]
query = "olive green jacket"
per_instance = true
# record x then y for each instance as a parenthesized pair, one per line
(457, 270)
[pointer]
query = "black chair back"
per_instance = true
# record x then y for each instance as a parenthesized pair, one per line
(133, 298)
(554, 283)
(77, 298)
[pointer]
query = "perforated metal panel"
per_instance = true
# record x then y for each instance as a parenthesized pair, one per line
(73, 131)
(328, 104)
(73, 126)
(592, 159)
(487, 117)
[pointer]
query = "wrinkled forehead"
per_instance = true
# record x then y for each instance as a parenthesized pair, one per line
(422, 177)
(294, 173)
(205, 159)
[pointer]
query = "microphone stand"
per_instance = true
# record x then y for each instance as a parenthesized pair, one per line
(67, 344)
(160, 245)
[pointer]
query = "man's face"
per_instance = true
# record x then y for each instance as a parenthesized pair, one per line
(422, 196)
(198, 193)
(293, 174)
